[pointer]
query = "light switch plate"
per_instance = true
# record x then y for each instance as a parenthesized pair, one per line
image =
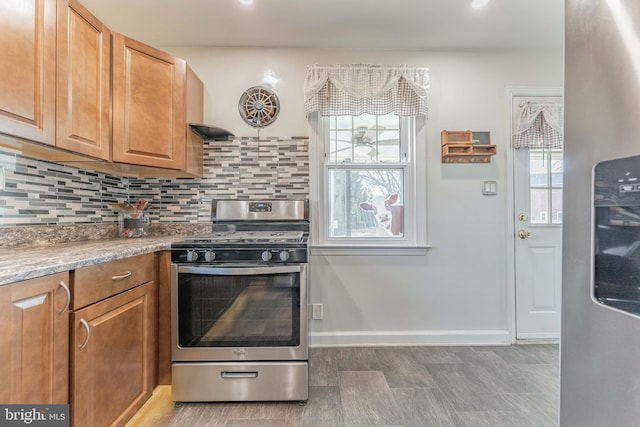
(317, 312)
(489, 188)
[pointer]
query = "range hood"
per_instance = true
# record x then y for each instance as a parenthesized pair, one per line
(210, 133)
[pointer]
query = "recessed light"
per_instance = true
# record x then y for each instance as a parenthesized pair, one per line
(246, 2)
(479, 4)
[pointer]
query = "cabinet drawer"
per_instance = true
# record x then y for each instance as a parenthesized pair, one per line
(95, 283)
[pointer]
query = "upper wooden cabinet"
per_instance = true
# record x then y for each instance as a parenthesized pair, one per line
(148, 105)
(194, 145)
(55, 77)
(28, 69)
(95, 100)
(83, 82)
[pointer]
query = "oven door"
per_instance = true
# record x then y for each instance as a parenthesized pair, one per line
(239, 312)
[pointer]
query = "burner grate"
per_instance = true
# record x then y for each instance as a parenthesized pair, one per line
(250, 237)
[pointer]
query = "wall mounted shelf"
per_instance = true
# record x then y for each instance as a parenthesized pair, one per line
(459, 147)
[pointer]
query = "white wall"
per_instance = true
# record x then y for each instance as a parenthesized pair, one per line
(457, 293)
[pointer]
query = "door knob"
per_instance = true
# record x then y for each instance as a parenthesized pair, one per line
(523, 234)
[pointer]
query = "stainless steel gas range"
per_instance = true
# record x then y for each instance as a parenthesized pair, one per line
(239, 305)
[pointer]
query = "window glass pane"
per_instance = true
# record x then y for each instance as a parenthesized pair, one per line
(340, 146)
(332, 122)
(365, 121)
(538, 169)
(539, 206)
(366, 203)
(365, 139)
(388, 146)
(343, 122)
(557, 168)
(545, 178)
(332, 145)
(390, 121)
(388, 152)
(364, 153)
(556, 206)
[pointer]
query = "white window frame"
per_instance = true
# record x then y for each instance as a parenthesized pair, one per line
(414, 239)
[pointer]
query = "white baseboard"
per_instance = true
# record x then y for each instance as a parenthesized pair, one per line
(403, 338)
(537, 336)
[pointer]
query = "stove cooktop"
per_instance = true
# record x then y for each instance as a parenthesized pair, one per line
(250, 231)
(246, 246)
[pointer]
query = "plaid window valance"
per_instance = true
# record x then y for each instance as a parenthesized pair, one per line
(362, 88)
(539, 125)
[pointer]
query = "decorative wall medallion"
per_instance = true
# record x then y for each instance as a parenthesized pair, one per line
(259, 106)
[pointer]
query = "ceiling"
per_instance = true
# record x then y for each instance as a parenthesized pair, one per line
(343, 24)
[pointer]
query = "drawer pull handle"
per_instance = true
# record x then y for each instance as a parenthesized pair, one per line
(122, 276)
(66, 290)
(86, 326)
(236, 374)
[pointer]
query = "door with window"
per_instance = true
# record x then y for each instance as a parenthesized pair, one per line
(538, 240)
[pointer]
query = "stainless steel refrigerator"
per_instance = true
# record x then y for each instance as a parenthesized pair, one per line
(600, 341)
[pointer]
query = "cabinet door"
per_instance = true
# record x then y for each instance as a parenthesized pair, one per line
(148, 105)
(28, 69)
(194, 146)
(111, 373)
(34, 343)
(83, 81)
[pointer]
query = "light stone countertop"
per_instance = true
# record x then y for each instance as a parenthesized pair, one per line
(27, 263)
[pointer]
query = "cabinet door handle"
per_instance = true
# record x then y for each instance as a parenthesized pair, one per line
(86, 326)
(66, 290)
(122, 276)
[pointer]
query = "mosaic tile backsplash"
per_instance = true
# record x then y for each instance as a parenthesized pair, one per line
(38, 192)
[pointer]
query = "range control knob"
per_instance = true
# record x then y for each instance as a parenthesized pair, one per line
(192, 256)
(266, 255)
(209, 256)
(284, 255)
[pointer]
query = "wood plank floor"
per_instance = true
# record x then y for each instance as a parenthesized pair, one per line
(510, 386)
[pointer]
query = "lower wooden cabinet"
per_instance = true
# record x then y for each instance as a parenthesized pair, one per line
(112, 358)
(34, 343)
(87, 337)
(164, 317)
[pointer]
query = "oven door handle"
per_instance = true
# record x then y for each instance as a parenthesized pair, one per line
(239, 271)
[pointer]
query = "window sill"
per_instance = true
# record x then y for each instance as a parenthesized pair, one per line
(344, 250)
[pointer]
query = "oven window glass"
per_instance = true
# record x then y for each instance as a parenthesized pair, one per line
(239, 311)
